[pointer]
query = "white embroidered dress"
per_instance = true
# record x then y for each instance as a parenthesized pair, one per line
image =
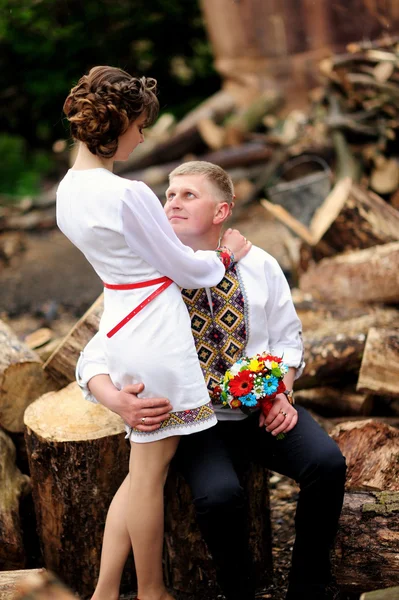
(121, 228)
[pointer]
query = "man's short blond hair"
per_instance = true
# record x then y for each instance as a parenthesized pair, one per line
(215, 174)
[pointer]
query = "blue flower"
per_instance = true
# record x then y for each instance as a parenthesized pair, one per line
(249, 400)
(270, 385)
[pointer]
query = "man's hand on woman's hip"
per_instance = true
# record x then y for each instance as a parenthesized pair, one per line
(145, 414)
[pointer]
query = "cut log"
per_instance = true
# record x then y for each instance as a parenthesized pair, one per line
(391, 593)
(248, 118)
(379, 371)
(361, 220)
(13, 485)
(9, 581)
(62, 363)
(334, 341)
(39, 585)
(371, 450)
(22, 379)
(78, 458)
(331, 402)
(189, 567)
(370, 275)
(366, 553)
(350, 218)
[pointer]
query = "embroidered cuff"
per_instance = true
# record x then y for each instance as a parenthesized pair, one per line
(225, 255)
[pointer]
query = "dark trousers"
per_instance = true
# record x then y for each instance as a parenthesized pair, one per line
(307, 454)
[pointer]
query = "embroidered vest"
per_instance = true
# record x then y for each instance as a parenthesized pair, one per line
(220, 334)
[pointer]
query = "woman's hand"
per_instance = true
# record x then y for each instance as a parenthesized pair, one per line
(237, 243)
(282, 416)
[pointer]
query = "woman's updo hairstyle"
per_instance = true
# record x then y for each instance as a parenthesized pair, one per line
(104, 103)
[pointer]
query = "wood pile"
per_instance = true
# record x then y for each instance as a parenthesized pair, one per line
(331, 176)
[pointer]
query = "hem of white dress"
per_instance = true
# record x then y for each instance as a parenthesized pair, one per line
(177, 424)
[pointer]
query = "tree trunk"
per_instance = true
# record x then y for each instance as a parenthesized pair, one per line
(36, 584)
(22, 379)
(371, 450)
(189, 566)
(379, 371)
(330, 402)
(366, 550)
(13, 485)
(62, 363)
(370, 275)
(78, 458)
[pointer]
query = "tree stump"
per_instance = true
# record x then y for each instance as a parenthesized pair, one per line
(13, 485)
(39, 585)
(372, 454)
(189, 567)
(366, 553)
(22, 379)
(78, 458)
(9, 581)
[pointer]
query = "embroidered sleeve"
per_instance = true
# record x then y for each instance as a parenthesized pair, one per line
(149, 234)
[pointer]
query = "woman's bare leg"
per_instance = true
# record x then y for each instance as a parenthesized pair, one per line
(116, 546)
(148, 468)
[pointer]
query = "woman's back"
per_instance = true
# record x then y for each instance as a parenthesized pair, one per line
(89, 213)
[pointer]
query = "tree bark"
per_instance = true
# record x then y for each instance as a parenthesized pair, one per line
(62, 363)
(22, 379)
(362, 220)
(370, 275)
(366, 551)
(13, 485)
(334, 342)
(379, 371)
(9, 581)
(331, 402)
(371, 450)
(78, 458)
(189, 566)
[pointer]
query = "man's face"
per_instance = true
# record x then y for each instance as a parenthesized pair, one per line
(192, 205)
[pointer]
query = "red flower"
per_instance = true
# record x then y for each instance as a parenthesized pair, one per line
(241, 385)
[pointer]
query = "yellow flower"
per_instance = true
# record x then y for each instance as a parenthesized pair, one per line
(274, 364)
(254, 365)
(227, 376)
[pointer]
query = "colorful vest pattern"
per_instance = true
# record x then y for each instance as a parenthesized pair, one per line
(220, 334)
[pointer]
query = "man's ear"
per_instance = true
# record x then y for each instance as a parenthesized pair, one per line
(222, 212)
(232, 205)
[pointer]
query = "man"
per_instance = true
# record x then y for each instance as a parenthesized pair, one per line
(250, 311)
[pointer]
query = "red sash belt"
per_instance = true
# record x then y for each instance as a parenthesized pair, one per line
(165, 281)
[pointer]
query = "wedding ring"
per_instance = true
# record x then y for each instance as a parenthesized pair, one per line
(283, 413)
(143, 420)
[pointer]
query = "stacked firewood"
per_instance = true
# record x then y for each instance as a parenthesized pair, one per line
(347, 273)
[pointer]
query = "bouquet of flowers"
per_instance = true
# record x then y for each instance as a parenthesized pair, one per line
(253, 383)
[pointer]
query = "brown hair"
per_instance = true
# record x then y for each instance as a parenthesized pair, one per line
(104, 103)
(213, 173)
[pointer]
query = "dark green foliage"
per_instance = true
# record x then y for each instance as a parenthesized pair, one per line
(46, 45)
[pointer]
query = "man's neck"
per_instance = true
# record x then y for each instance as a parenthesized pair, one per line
(209, 241)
